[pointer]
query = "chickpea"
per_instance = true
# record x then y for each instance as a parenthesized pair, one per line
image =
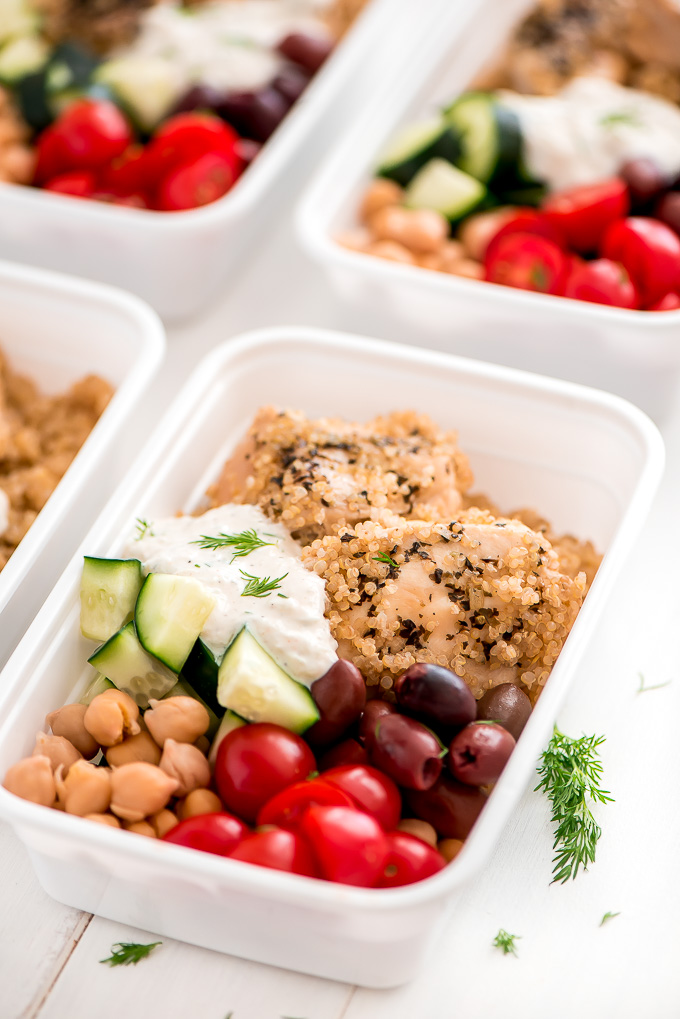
(203, 744)
(471, 270)
(58, 749)
(85, 790)
(111, 716)
(450, 254)
(180, 718)
(19, 163)
(449, 848)
(32, 779)
(391, 251)
(140, 828)
(419, 230)
(135, 748)
(420, 829)
(186, 764)
(197, 802)
(69, 723)
(476, 232)
(163, 822)
(107, 819)
(431, 260)
(380, 194)
(140, 789)
(355, 240)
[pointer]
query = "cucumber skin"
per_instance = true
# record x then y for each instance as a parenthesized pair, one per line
(446, 146)
(200, 673)
(145, 616)
(508, 172)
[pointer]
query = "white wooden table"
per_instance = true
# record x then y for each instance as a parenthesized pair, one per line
(566, 964)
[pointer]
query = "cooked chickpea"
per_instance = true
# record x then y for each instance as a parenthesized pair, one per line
(197, 802)
(419, 230)
(180, 718)
(476, 232)
(140, 828)
(391, 251)
(380, 194)
(431, 260)
(140, 789)
(203, 744)
(111, 716)
(107, 819)
(163, 822)
(32, 779)
(69, 722)
(85, 790)
(134, 748)
(449, 848)
(450, 254)
(355, 240)
(471, 270)
(58, 749)
(187, 764)
(420, 829)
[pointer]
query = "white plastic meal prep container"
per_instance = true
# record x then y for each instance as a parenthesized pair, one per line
(178, 261)
(56, 330)
(633, 353)
(590, 462)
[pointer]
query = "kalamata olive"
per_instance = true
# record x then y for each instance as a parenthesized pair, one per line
(309, 51)
(291, 83)
(645, 179)
(246, 149)
(372, 712)
(435, 693)
(406, 751)
(347, 752)
(506, 704)
(201, 97)
(255, 114)
(668, 210)
(340, 696)
(479, 752)
(449, 806)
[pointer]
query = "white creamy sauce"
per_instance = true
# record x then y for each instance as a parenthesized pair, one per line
(586, 132)
(4, 512)
(292, 629)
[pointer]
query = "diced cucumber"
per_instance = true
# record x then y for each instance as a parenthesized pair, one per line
(491, 139)
(182, 689)
(170, 613)
(200, 672)
(147, 87)
(124, 661)
(255, 687)
(415, 145)
(17, 18)
(230, 721)
(445, 188)
(108, 592)
(67, 73)
(96, 686)
(21, 57)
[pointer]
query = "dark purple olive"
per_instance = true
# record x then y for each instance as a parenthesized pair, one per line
(437, 694)
(246, 149)
(372, 712)
(668, 210)
(406, 751)
(449, 806)
(506, 704)
(645, 179)
(479, 753)
(201, 97)
(309, 51)
(291, 83)
(347, 752)
(340, 696)
(255, 114)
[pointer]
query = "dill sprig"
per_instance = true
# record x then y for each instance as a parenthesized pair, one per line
(606, 917)
(143, 528)
(243, 543)
(506, 942)
(124, 953)
(260, 587)
(383, 557)
(656, 686)
(571, 772)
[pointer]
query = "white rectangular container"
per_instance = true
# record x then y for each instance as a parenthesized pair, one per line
(178, 261)
(590, 462)
(634, 353)
(57, 330)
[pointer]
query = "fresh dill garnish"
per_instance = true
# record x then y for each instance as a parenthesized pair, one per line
(657, 686)
(506, 942)
(383, 557)
(143, 528)
(607, 916)
(571, 772)
(628, 117)
(259, 587)
(124, 953)
(243, 543)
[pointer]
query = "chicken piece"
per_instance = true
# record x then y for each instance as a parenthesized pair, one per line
(654, 33)
(483, 595)
(318, 476)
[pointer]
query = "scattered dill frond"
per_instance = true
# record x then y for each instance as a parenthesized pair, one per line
(259, 587)
(143, 528)
(506, 942)
(628, 117)
(243, 543)
(125, 953)
(383, 557)
(657, 686)
(606, 917)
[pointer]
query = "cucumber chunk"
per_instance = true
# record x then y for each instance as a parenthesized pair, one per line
(255, 687)
(415, 145)
(22, 56)
(491, 140)
(147, 87)
(182, 689)
(230, 721)
(200, 672)
(126, 664)
(170, 613)
(96, 686)
(108, 592)
(445, 188)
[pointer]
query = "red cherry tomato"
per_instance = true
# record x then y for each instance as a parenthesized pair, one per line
(347, 752)
(198, 183)
(257, 761)
(650, 251)
(583, 214)
(287, 807)
(602, 282)
(211, 833)
(409, 859)
(278, 850)
(52, 157)
(527, 262)
(127, 174)
(525, 221)
(669, 302)
(349, 846)
(91, 133)
(79, 183)
(186, 136)
(372, 792)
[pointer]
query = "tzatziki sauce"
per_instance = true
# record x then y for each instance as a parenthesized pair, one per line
(288, 621)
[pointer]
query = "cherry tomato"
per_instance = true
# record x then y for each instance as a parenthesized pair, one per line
(347, 752)
(650, 251)
(92, 132)
(257, 761)
(527, 262)
(602, 282)
(127, 174)
(349, 846)
(409, 859)
(583, 214)
(79, 183)
(522, 220)
(372, 792)
(218, 833)
(287, 807)
(669, 302)
(279, 850)
(52, 156)
(198, 183)
(185, 137)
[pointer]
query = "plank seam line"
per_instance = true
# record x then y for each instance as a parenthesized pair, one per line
(75, 941)
(348, 1002)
